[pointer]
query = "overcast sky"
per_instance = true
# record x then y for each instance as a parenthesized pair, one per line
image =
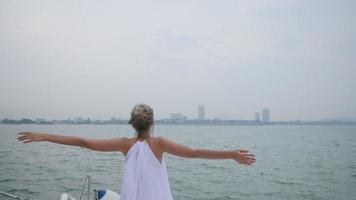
(97, 59)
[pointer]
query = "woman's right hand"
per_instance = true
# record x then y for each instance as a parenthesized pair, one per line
(27, 136)
(244, 157)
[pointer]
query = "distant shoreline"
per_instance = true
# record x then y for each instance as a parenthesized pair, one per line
(214, 122)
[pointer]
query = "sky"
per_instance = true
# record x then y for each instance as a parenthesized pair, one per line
(97, 59)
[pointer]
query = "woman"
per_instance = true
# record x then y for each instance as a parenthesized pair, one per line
(145, 174)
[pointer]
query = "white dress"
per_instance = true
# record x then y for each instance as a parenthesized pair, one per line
(145, 177)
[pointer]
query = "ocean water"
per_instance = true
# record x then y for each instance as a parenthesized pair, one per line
(293, 162)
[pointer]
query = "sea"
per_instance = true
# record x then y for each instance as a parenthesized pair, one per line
(293, 162)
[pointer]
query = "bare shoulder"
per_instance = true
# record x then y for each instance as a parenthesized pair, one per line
(127, 143)
(158, 141)
(172, 147)
(165, 143)
(159, 138)
(154, 140)
(124, 142)
(162, 141)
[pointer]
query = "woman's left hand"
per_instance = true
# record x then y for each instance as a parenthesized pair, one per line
(244, 157)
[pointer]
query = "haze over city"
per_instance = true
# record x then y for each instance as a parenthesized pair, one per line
(68, 59)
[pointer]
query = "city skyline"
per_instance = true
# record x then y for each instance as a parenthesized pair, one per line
(178, 117)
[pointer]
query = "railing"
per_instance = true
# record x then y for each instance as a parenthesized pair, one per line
(11, 195)
(88, 183)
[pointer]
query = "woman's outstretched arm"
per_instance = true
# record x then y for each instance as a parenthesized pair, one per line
(241, 156)
(117, 144)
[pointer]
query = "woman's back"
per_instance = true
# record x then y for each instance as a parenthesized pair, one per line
(145, 176)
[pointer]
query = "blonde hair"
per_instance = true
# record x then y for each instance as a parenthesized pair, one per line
(142, 119)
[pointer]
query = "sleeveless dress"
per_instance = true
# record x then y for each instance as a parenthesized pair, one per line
(145, 177)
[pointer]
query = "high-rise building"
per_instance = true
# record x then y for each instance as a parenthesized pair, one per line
(257, 117)
(265, 115)
(201, 113)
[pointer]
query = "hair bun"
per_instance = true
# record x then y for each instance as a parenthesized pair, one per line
(141, 118)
